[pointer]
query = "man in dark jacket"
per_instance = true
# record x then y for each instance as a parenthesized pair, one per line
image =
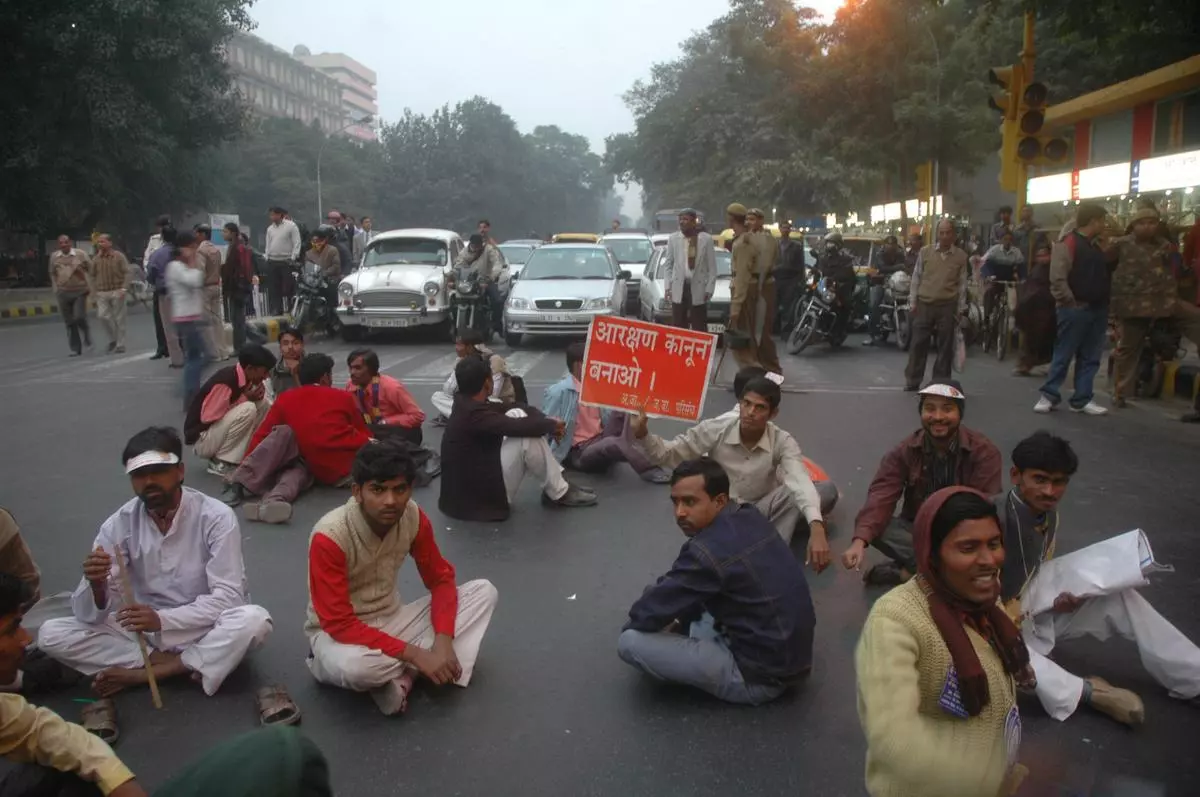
(1081, 267)
(228, 408)
(488, 448)
(942, 453)
(733, 616)
(237, 281)
(888, 260)
(789, 270)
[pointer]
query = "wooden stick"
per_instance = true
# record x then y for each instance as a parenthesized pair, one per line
(127, 591)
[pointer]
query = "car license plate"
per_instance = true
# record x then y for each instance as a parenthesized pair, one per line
(390, 322)
(716, 329)
(557, 318)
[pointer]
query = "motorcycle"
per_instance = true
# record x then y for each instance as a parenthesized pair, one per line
(311, 306)
(1161, 346)
(470, 306)
(817, 317)
(893, 309)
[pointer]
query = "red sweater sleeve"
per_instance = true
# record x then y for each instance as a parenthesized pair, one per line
(438, 575)
(330, 591)
(273, 419)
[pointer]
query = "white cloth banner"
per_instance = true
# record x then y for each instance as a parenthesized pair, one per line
(1103, 568)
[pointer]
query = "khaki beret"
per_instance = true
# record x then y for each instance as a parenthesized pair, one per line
(756, 212)
(736, 209)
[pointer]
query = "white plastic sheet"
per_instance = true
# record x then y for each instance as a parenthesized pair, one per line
(1104, 568)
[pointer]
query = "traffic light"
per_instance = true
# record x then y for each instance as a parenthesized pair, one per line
(924, 180)
(1033, 148)
(1011, 80)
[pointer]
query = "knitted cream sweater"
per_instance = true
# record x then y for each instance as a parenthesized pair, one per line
(916, 745)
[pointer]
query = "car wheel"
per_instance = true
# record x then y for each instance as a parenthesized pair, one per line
(353, 333)
(513, 339)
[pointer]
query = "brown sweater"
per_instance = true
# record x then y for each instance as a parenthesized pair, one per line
(942, 275)
(110, 272)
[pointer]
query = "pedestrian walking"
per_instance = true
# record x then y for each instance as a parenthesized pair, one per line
(1081, 281)
(237, 281)
(363, 237)
(343, 241)
(283, 249)
(69, 271)
(185, 284)
(214, 317)
(153, 245)
(111, 275)
(156, 275)
(690, 272)
(938, 297)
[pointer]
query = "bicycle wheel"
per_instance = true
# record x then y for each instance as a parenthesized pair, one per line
(1003, 332)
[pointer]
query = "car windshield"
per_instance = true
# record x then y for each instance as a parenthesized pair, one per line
(406, 251)
(631, 250)
(724, 263)
(582, 264)
(516, 253)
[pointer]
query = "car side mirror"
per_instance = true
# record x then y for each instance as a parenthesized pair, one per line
(624, 275)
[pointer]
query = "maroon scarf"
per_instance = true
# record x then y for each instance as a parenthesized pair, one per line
(953, 614)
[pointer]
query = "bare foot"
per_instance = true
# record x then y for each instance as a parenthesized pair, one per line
(110, 681)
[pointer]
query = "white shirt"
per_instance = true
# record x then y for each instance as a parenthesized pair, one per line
(773, 461)
(185, 286)
(283, 241)
(190, 575)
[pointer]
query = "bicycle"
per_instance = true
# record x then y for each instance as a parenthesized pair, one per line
(998, 323)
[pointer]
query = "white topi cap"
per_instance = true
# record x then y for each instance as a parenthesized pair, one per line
(942, 389)
(148, 458)
(774, 377)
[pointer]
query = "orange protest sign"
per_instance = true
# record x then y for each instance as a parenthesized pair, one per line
(631, 365)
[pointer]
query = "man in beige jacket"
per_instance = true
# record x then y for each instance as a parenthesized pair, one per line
(938, 297)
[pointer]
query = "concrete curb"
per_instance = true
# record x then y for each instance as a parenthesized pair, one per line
(39, 310)
(266, 327)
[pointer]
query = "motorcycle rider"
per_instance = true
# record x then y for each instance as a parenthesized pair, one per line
(327, 256)
(888, 261)
(916, 242)
(482, 257)
(837, 265)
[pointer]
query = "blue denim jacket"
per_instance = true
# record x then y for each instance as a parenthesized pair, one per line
(741, 572)
(561, 400)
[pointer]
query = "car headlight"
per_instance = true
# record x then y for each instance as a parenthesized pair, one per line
(598, 304)
(432, 288)
(346, 290)
(518, 304)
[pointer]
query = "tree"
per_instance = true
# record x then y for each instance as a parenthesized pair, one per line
(110, 104)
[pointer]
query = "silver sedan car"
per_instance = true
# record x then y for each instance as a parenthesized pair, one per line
(654, 307)
(561, 289)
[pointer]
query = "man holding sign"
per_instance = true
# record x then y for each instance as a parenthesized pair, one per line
(763, 462)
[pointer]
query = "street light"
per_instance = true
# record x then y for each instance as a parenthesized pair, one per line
(365, 120)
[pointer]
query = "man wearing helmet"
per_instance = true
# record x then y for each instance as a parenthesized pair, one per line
(482, 256)
(942, 453)
(836, 265)
(888, 261)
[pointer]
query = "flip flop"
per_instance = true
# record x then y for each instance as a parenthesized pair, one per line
(276, 707)
(100, 718)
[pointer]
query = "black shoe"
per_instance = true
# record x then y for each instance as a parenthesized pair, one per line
(439, 422)
(75, 354)
(1191, 417)
(869, 342)
(158, 355)
(112, 345)
(573, 497)
(233, 495)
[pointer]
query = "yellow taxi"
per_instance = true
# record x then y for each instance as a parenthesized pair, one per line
(575, 238)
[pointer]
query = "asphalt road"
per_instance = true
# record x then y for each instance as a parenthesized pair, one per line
(551, 710)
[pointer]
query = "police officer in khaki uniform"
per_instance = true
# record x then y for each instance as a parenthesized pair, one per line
(1144, 289)
(752, 308)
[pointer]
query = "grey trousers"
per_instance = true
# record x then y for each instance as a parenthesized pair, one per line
(781, 509)
(896, 543)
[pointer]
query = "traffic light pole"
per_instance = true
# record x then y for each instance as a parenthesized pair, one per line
(1028, 57)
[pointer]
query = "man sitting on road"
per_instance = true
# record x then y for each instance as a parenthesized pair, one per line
(594, 439)
(1042, 467)
(469, 343)
(227, 410)
(762, 460)
(386, 405)
(312, 432)
(183, 553)
(286, 375)
(361, 633)
(489, 448)
(733, 616)
(942, 453)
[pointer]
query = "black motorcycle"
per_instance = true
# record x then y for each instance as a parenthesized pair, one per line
(817, 317)
(470, 306)
(1161, 346)
(312, 307)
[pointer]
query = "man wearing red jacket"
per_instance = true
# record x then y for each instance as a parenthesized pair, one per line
(310, 433)
(361, 635)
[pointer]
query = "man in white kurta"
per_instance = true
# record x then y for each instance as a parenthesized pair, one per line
(183, 554)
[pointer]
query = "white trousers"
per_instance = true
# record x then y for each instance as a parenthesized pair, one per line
(213, 652)
(362, 669)
(227, 439)
(443, 402)
(531, 456)
(1170, 657)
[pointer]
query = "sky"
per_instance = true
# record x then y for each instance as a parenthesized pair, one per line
(563, 62)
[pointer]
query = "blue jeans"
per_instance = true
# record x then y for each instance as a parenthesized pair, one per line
(701, 660)
(192, 335)
(1081, 333)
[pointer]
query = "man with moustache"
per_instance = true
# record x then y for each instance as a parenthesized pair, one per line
(183, 554)
(1042, 467)
(942, 453)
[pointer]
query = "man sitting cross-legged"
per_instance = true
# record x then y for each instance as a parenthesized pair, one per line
(228, 408)
(595, 439)
(311, 432)
(489, 448)
(183, 553)
(386, 405)
(469, 343)
(362, 635)
(763, 462)
(733, 616)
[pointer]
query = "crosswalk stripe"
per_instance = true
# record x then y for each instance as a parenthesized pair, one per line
(522, 362)
(441, 367)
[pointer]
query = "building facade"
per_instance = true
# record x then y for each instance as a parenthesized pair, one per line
(277, 85)
(359, 98)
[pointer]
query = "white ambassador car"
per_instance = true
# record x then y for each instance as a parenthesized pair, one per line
(561, 289)
(401, 282)
(654, 307)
